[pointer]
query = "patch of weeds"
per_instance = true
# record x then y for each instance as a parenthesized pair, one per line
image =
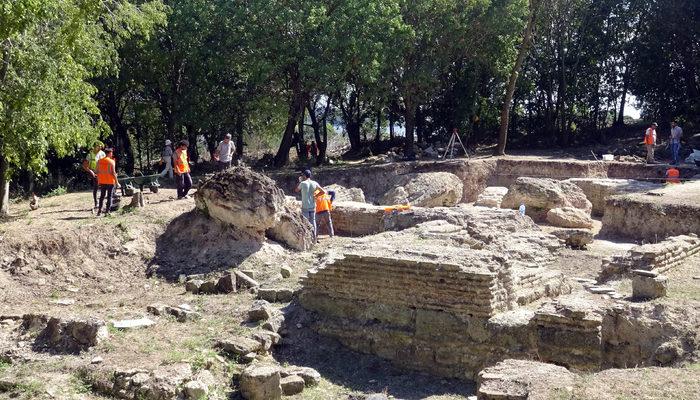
(55, 294)
(79, 384)
(202, 359)
(58, 191)
(30, 388)
(175, 356)
(694, 366)
(4, 365)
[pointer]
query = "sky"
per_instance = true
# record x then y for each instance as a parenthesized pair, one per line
(631, 109)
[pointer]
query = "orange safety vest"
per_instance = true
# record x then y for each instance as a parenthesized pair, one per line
(323, 203)
(649, 136)
(673, 176)
(105, 171)
(182, 161)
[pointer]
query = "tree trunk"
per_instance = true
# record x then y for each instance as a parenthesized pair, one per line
(240, 128)
(391, 127)
(623, 100)
(419, 126)
(125, 150)
(522, 53)
(4, 186)
(192, 150)
(378, 135)
(410, 119)
(295, 105)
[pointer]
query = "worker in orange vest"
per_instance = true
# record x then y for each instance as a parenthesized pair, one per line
(673, 176)
(106, 172)
(324, 205)
(181, 163)
(650, 142)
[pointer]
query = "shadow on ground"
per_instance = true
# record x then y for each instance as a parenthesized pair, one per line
(195, 244)
(356, 371)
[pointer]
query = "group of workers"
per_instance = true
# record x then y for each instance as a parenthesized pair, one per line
(674, 142)
(316, 203)
(178, 163)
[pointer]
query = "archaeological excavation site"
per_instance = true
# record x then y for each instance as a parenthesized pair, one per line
(500, 278)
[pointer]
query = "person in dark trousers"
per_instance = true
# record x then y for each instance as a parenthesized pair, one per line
(181, 162)
(107, 179)
(90, 166)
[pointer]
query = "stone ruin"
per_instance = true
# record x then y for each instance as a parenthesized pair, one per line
(657, 257)
(452, 290)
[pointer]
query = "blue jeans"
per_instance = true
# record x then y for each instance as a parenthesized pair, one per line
(311, 216)
(675, 148)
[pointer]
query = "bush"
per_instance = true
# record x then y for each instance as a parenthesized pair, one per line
(60, 190)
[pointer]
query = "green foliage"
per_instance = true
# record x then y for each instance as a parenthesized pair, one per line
(58, 191)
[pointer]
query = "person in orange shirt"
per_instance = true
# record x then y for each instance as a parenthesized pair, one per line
(181, 162)
(324, 205)
(673, 176)
(650, 142)
(106, 180)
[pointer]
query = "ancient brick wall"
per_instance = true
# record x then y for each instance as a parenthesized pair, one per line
(658, 257)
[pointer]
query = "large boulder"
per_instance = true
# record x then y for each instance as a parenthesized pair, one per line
(347, 194)
(252, 203)
(543, 194)
(569, 217)
(431, 189)
(292, 229)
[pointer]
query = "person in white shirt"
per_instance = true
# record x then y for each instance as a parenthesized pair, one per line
(676, 135)
(224, 152)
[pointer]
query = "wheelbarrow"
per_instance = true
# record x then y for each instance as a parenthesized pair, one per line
(130, 183)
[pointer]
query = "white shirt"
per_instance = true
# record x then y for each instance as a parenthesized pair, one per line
(676, 134)
(225, 151)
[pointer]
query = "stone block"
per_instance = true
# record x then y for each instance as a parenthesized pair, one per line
(261, 382)
(646, 287)
(292, 385)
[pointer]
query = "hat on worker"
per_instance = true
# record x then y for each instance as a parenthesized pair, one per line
(168, 142)
(228, 136)
(655, 124)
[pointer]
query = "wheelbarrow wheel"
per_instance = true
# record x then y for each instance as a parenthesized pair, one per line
(153, 189)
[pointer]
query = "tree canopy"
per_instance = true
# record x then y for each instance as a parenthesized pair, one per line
(280, 74)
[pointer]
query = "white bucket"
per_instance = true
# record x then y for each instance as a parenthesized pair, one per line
(608, 157)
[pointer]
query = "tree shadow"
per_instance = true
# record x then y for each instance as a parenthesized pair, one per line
(356, 371)
(196, 244)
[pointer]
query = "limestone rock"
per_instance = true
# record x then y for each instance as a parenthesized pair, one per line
(274, 323)
(430, 189)
(542, 194)
(576, 238)
(310, 376)
(569, 217)
(182, 314)
(598, 190)
(280, 295)
(292, 229)
(71, 335)
(132, 323)
(261, 382)
(520, 380)
(347, 194)
(227, 283)
(156, 309)
(194, 285)
(292, 385)
(260, 311)
(252, 203)
(646, 287)
(267, 339)
(285, 271)
(195, 390)
(208, 287)
(243, 280)
(239, 345)
(492, 196)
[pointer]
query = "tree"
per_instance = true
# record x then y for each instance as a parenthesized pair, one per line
(43, 106)
(508, 98)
